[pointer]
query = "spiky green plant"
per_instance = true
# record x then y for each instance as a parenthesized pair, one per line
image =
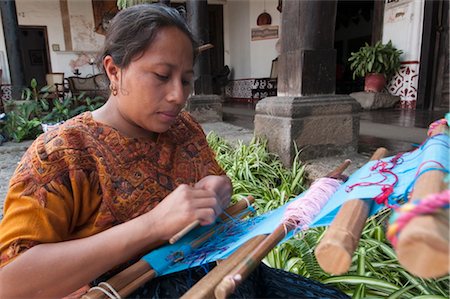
(255, 171)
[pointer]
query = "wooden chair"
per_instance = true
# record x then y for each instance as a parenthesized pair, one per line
(274, 69)
(56, 83)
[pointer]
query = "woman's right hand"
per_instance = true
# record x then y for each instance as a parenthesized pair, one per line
(183, 206)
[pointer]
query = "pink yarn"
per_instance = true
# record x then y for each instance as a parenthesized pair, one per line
(302, 212)
(433, 125)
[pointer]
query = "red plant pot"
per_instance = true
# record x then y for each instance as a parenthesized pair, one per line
(374, 82)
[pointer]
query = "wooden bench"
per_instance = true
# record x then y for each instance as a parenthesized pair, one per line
(93, 86)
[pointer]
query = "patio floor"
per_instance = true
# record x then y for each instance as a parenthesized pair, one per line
(397, 130)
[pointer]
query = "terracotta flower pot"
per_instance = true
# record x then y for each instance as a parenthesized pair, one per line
(374, 82)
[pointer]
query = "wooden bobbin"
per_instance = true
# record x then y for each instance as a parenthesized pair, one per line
(423, 244)
(334, 252)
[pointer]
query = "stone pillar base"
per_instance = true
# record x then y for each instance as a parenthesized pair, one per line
(205, 108)
(320, 126)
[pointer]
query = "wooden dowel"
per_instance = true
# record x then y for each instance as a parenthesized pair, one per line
(135, 284)
(142, 268)
(205, 47)
(423, 244)
(336, 173)
(229, 283)
(184, 231)
(334, 252)
(124, 277)
(204, 288)
(238, 207)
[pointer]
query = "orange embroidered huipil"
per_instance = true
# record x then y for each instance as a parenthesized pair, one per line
(85, 177)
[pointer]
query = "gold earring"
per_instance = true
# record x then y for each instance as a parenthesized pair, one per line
(113, 89)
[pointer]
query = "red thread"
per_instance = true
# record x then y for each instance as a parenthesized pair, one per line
(384, 169)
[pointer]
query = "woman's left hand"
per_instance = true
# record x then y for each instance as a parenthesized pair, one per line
(221, 185)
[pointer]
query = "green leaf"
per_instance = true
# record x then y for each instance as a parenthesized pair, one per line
(400, 293)
(430, 297)
(377, 284)
(360, 292)
(33, 83)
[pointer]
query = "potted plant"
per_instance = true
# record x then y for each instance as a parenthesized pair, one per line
(376, 64)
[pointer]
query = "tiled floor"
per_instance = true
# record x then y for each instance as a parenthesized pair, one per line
(397, 130)
(403, 118)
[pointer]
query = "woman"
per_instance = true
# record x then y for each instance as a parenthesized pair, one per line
(99, 190)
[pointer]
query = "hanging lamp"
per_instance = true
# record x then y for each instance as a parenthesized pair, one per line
(264, 18)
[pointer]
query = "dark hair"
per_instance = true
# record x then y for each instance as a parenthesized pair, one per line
(133, 29)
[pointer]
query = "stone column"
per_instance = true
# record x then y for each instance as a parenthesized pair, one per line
(11, 32)
(197, 13)
(306, 113)
(203, 105)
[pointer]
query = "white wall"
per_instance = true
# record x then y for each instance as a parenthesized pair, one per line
(4, 65)
(85, 41)
(403, 24)
(263, 51)
(247, 58)
(238, 49)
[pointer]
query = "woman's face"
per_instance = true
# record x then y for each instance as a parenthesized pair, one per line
(154, 88)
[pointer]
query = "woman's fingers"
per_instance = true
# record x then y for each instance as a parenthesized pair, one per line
(186, 204)
(206, 216)
(204, 205)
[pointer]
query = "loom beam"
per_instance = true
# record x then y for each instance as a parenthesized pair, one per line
(334, 252)
(423, 244)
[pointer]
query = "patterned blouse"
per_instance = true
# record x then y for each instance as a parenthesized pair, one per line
(85, 177)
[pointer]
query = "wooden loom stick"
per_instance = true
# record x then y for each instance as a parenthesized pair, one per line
(423, 244)
(142, 271)
(335, 250)
(204, 288)
(229, 283)
(184, 231)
